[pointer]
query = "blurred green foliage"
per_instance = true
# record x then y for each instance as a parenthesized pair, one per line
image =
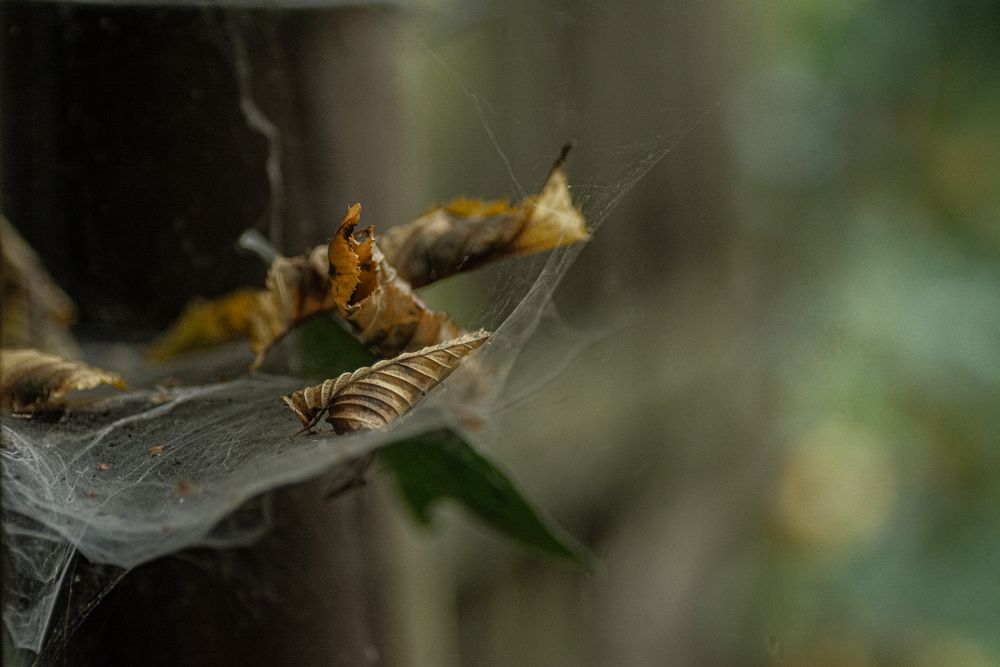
(883, 244)
(794, 457)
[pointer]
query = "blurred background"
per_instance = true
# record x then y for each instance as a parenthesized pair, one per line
(782, 446)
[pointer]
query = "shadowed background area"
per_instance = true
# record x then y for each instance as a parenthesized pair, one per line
(781, 445)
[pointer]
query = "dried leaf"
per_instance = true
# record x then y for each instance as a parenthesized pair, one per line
(374, 396)
(383, 311)
(370, 281)
(348, 276)
(344, 257)
(297, 288)
(35, 310)
(206, 323)
(31, 380)
(466, 233)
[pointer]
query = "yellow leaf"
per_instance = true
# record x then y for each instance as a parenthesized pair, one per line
(467, 233)
(208, 323)
(550, 219)
(374, 396)
(31, 380)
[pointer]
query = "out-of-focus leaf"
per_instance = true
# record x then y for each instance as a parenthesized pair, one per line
(35, 311)
(374, 396)
(205, 323)
(31, 380)
(297, 289)
(467, 233)
(436, 466)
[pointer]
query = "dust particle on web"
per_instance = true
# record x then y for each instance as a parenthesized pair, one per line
(184, 488)
(156, 450)
(103, 466)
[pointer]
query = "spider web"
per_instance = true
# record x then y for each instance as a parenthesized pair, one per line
(129, 478)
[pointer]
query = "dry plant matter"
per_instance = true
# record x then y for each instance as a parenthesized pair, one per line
(209, 323)
(466, 233)
(36, 311)
(368, 281)
(31, 380)
(382, 309)
(374, 396)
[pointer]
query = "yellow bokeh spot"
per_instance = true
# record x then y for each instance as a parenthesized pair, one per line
(837, 487)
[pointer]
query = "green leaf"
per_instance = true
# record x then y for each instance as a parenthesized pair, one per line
(440, 465)
(327, 349)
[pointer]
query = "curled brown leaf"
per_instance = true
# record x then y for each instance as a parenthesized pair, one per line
(297, 289)
(374, 396)
(383, 311)
(31, 380)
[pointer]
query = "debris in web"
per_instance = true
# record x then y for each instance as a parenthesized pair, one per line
(131, 477)
(33, 381)
(374, 396)
(36, 312)
(371, 283)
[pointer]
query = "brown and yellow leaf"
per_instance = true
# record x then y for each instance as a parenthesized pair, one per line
(374, 396)
(383, 311)
(347, 276)
(297, 289)
(209, 322)
(467, 233)
(31, 380)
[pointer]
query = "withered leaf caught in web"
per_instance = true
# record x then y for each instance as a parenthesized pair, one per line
(209, 322)
(374, 396)
(263, 316)
(383, 311)
(297, 289)
(349, 277)
(467, 233)
(35, 311)
(31, 380)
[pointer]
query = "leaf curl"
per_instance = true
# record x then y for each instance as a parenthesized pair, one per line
(31, 380)
(382, 311)
(374, 396)
(369, 281)
(349, 277)
(297, 289)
